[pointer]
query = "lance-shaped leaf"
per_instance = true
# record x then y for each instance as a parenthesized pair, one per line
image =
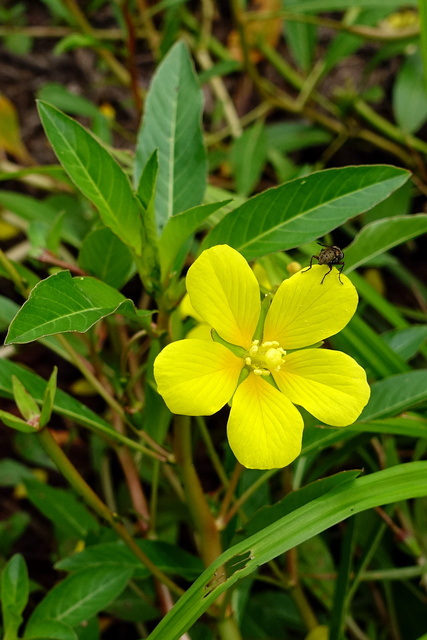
(61, 303)
(172, 124)
(179, 228)
(400, 482)
(304, 209)
(98, 176)
(382, 235)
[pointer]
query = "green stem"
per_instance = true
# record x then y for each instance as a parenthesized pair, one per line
(13, 274)
(209, 539)
(387, 128)
(79, 485)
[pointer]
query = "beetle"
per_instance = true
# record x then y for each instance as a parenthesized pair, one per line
(330, 255)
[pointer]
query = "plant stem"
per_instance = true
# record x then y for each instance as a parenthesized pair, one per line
(81, 487)
(209, 539)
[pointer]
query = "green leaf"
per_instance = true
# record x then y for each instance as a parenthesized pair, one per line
(301, 38)
(167, 557)
(80, 596)
(48, 399)
(60, 97)
(64, 404)
(382, 235)
(395, 394)
(14, 594)
(12, 529)
(149, 264)
(411, 426)
(12, 473)
(248, 156)
(397, 483)
(179, 228)
(25, 403)
(172, 124)
(294, 136)
(318, 6)
(12, 421)
(105, 256)
(75, 223)
(62, 508)
(296, 499)
(406, 342)
(409, 95)
(304, 209)
(60, 304)
(50, 629)
(96, 174)
(8, 309)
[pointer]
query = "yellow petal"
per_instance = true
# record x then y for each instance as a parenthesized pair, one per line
(186, 309)
(225, 292)
(200, 332)
(304, 311)
(264, 428)
(329, 384)
(196, 377)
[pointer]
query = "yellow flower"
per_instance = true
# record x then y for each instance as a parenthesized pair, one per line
(264, 377)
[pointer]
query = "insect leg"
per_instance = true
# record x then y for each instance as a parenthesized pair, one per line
(340, 271)
(311, 264)
(327, 273)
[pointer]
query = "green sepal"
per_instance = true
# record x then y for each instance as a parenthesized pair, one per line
(238, 351)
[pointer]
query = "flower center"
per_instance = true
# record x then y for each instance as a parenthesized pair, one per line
(265, 357)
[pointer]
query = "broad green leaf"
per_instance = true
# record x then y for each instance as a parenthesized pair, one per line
(395, 394)
(62, 508)
(50, 629)
(80, 596)
(105, 256)
(400, 482)
(382, 235)
(399, 203)
(61, 303)
(248, 156)
(304, 209)
(48, 399)
(172, 124)
(409, 95)
(167, 557)
(406, 342)
(131, 607)
(13, 595)
(96, 174)
(179, 228)
(24, 401)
